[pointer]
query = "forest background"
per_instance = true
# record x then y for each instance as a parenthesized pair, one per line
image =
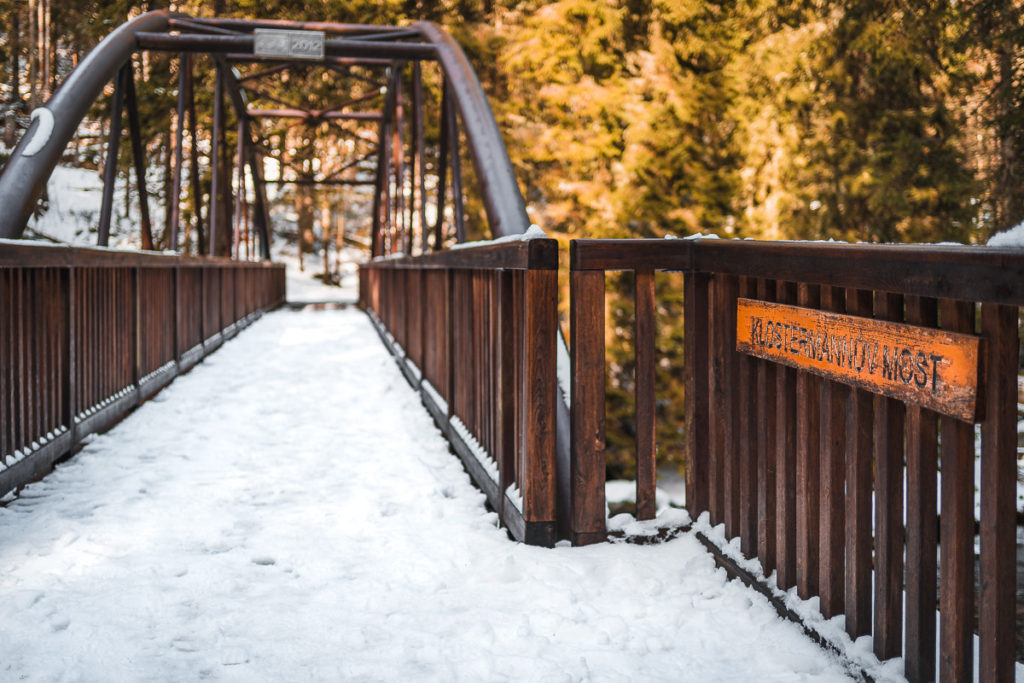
(855, 120)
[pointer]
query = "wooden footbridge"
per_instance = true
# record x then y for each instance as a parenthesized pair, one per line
(826, 384)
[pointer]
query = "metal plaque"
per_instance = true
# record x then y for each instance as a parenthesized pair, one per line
(288, 44)
(932, 368)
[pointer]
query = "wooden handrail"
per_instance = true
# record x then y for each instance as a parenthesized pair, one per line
(791, 461)
(981, 274)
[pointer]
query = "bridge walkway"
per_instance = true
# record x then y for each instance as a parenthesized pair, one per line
(288, 511)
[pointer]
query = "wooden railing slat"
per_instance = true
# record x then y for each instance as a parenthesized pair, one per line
(859, 425)
(888, 447)
(832, 453)
(785, 462)
(505, 389)
(956, 591)
(644, 387)
(808, 422)
(749, 438)
(766, 449)
(695, 379)
(998, 479)
(922, 526)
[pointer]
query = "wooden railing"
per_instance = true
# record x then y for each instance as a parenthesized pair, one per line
(791, 462)
(475, 329)
(88, 334)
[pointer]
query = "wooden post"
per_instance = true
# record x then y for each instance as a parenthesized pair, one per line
(998, 506)
(541, 298)
(588, 414)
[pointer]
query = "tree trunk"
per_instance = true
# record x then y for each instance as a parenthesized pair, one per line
(1007, 191)
(168, 141)
(224, 208)
(15, 56)
(305, 194)
(325, 236)
(339, 238)
(45, 48)
(11, 122)
(32, 43)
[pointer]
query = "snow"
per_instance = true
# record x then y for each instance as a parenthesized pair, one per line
(1014, 237)
(75, 196)
(624, 490)
(534, 232)
(289, 511)
(303, 288)
(563, 368)
(42, 134)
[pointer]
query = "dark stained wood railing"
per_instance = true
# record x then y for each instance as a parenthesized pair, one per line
(791, 462)
(475, 329)
(88, 334)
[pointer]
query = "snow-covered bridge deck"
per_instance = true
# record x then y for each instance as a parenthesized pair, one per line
(288, 511)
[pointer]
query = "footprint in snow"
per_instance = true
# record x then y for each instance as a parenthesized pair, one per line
(264, 560)
(184, 645)
(25, 599)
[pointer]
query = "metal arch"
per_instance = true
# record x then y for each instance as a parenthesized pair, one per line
(503, 201)
(23, 177)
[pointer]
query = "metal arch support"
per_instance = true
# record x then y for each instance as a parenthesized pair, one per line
(23, 177)
(503, 201)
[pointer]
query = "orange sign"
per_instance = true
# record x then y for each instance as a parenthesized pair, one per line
(920, 365)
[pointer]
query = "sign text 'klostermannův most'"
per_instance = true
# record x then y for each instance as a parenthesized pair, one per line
(924, 366)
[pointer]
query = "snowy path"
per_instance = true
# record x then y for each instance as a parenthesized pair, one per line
(288, 512)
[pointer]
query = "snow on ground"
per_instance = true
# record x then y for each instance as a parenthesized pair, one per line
(288, 511)
(72, 216)
(302, 287)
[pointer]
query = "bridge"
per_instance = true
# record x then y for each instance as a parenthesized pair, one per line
(825, 385)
